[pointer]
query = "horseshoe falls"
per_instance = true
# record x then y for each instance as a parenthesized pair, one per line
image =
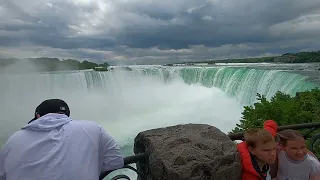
(240, 83)
(127, 102)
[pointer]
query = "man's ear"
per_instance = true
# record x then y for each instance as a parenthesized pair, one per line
(38, 116)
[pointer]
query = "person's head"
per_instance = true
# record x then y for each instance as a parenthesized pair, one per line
(293, 143)
(51, 106)
(261, 144)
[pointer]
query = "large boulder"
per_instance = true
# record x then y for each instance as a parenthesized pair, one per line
(187, 152)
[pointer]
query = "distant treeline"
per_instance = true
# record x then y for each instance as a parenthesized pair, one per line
(54, 64)
(46, 64)
(301, 57)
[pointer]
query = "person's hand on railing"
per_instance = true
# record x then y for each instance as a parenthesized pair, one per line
(127, 160)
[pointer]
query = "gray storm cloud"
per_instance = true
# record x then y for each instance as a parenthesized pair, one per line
(161, 31)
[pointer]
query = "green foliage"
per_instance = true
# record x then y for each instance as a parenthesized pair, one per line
(47, 64)
(301, 57)
(307, 57)
(282, 108)
(244, 60)
(87, 65)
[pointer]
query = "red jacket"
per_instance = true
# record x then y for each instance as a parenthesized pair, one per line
(248, 171)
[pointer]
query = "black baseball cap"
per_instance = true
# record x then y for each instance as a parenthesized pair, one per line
(51, 106)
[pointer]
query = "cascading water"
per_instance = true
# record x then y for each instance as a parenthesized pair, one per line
(240, 83)
(127, 102)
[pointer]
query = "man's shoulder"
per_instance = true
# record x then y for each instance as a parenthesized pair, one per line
(14, 139)
(88, 125)
(17, 135)
(85, 123)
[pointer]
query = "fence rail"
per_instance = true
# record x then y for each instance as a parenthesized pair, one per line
(311, 126)
(314, 146)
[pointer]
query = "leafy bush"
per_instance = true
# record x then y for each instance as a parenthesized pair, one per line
(282, 108)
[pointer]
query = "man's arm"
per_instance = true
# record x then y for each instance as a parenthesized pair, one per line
(112, 157)
(2, 172)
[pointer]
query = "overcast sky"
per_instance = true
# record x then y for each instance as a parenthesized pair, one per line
(157, 30)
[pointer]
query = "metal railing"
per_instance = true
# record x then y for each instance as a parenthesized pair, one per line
(314, 146)
(127, 160)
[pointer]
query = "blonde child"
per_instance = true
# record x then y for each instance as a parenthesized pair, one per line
(258, 151)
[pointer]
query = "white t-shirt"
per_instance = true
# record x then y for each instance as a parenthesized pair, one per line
(296, 170)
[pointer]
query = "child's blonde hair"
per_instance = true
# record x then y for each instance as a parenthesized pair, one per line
(255, 135)
(289, 134)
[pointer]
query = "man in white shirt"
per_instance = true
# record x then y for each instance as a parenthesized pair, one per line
(53, 146)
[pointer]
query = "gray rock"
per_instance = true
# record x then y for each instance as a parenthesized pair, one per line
(187, 152)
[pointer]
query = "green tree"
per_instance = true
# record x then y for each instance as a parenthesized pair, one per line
(45, 64)
(304, 107)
